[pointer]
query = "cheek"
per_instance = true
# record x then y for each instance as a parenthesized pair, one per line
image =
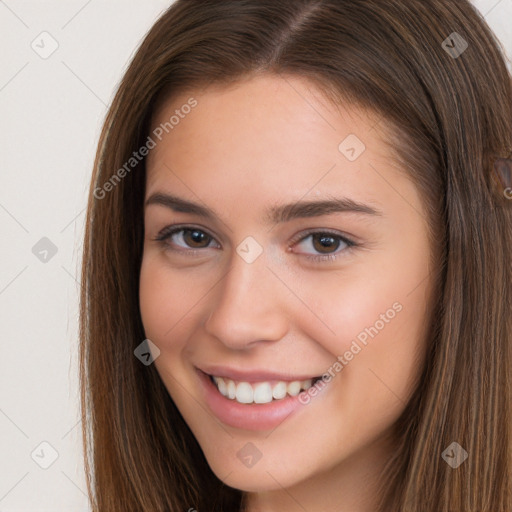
(372, 320)
(361, 308)
(166, 304)
(173, 305)
(163, 300)
(153, 296)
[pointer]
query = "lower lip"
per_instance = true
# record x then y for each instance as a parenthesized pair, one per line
(247, 416)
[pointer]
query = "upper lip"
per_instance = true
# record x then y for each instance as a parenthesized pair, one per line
(252, 375)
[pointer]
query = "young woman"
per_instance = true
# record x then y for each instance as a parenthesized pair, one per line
(297, 274)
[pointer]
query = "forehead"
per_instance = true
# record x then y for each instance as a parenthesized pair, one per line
(254, 110)
(264, 135)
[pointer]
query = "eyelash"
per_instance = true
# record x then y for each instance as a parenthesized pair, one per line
(169, 231)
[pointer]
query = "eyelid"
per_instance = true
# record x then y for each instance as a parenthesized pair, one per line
(324, 231)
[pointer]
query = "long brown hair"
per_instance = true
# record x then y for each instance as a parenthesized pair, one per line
(451, 117)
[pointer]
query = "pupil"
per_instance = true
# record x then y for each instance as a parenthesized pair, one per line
(326, 242)
(196, 236)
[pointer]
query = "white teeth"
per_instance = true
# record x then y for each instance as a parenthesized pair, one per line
(221, 385)
(306, 384)
(293, 388)
(231, 390)
(261, 392)
(279, 390)
(244, 393)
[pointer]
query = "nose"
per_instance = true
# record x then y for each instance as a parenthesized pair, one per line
(248, 306)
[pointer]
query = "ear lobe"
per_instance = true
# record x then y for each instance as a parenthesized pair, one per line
(503, 175)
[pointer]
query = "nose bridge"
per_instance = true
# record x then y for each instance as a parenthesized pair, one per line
(247, 305)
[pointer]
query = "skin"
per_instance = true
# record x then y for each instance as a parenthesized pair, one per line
(262, 142)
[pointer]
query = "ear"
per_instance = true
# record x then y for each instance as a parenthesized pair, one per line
(503, 174)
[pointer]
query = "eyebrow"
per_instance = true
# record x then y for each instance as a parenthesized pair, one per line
(276, 214)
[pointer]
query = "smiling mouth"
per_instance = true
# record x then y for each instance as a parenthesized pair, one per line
(260, 392)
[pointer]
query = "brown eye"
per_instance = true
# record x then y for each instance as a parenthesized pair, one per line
(324, 246)
(195, 238)
(183, 238)
(325, 243)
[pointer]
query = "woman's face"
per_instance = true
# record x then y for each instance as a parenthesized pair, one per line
(298, 250)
